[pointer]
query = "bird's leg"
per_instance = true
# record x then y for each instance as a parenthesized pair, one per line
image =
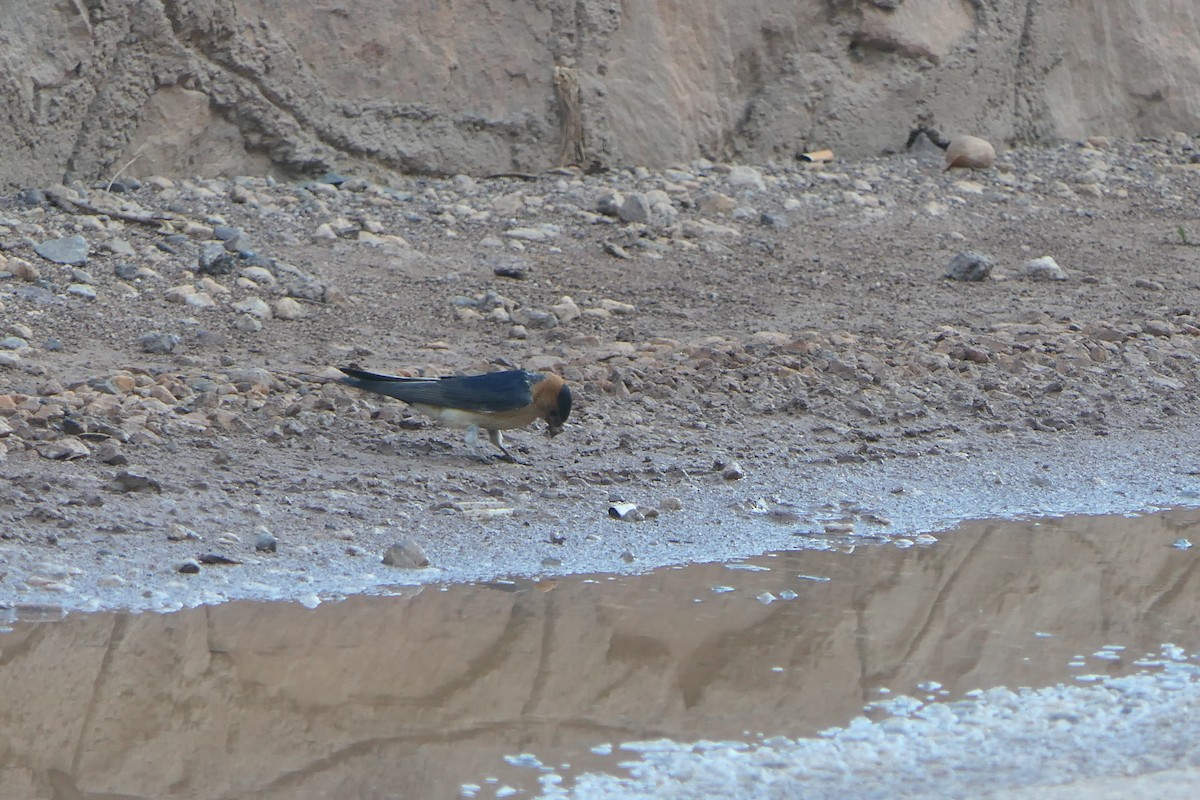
(498, 439)
(473, 443)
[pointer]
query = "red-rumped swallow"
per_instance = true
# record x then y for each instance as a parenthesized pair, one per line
(496, 401)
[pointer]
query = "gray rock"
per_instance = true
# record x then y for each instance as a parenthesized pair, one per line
(247, 324)
(158, 343)
(770, 220)
(307, 288)
(566, 309)
(265, 542)
(635, 208)
(37, 294)
(288, 309)
(609, 204)
(13, 343)
(254, 306)
(109, 452)
(615, 250)
(670, 504)
(227, 232)
(748, 177)
(66, 449)
(126, 271)
(177, 532)
(67, 250)
(534, 318)
(259, 274)
(406, 555)
(1043, 269)
(31, 196)
(125, 481)
(189, 567)
(82, 290)
(120, 247)
(240, 245)
(733, 471)
(969, 266)
(214, 259)
(1158, 327)
(251, 378)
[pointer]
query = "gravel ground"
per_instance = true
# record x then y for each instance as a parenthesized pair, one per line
(762, 357)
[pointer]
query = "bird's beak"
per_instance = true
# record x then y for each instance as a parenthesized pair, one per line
(553, 430)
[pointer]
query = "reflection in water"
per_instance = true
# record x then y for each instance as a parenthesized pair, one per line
(408, 697)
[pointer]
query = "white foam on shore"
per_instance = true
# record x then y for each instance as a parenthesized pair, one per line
(1000, 740)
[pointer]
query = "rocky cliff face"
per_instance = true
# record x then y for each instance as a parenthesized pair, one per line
(91, 87)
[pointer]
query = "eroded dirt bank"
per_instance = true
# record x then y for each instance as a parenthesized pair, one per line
(219, 87)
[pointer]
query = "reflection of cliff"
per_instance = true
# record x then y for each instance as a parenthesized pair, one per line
(409, 696)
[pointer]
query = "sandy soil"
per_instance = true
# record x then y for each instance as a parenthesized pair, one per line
(773, 357)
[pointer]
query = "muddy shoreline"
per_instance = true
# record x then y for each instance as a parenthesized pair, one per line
(822, 507)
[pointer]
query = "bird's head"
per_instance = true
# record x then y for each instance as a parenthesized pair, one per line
(553, 397)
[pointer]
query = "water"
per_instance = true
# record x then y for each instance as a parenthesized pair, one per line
(414, 696)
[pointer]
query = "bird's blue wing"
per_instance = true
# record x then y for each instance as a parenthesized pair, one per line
(495, 391)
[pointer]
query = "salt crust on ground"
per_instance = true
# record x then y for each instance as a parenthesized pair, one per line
(1011, 740)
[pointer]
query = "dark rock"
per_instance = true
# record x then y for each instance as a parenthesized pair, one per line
(126, 271)
(132, 482)
(214, 259)
(307, 289)
(123, 185)
(509, 271)
(189, 567)
(969, 266)
(218, 559)
(609, 204)
(109, 452)
(158, 343)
